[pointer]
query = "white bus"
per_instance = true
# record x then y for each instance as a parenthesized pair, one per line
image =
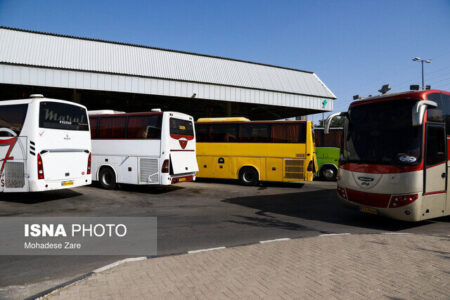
(45, 145)
(142, 148)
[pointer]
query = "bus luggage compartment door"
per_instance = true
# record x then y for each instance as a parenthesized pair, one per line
(57, 165)
(183, 162)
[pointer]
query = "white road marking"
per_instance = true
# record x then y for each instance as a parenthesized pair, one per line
(399, 233)
(275, 240)
(205, 250)
(332, 234)
(119, 262)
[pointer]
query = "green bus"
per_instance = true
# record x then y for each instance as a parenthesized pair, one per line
(328, 147)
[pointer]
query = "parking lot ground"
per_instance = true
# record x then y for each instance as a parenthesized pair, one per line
(358, 266)
(190, 216)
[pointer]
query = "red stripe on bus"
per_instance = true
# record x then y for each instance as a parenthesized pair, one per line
(379, 169)
(126, 139)
(179, 136)
(178, 150)
(370, 199)
(432, 193)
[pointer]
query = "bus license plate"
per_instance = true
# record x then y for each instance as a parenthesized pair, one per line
(66, 183)
(368, 210)
(181, 179)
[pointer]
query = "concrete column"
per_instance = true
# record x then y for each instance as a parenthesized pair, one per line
(76, 96)
(228, 109)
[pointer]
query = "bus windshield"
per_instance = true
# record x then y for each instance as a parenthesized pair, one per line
(382, 133)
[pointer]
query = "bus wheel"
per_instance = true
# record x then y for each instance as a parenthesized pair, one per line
(328, 173)
(248, 176)
(107, 178)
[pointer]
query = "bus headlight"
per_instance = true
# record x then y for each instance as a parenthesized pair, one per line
(341, 192)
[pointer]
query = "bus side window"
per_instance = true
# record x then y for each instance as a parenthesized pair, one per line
(112, 128)
(93, 122)
(12, 117)
(288, 133)
(446, 102)
(254, 133)
(436, 114)
(216, 133)
(202, 131)
(144, 127)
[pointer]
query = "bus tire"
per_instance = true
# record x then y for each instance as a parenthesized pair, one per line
(107, 178)
(328, 173)
(248, 176)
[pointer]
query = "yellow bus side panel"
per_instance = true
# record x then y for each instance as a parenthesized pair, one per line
(225, 160)
(274, 169)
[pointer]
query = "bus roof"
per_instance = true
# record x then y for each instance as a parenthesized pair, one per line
(260, 122)
(396, 96)
(30, 100)
(143, 113)
(225, 119)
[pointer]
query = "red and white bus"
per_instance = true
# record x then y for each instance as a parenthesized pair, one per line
(395, 155)
(45, 144)
(142, 148)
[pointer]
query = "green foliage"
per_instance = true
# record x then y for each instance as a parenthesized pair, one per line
(337, 122)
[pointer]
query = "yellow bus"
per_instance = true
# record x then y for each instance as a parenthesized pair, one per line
(253, 151)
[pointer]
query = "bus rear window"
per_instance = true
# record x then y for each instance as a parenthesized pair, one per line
(181, 127)
(12, 117)
(56, 115)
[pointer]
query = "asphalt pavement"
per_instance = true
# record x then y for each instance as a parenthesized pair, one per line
(190, 216)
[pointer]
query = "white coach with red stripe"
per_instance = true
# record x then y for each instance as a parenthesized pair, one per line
(45, 144)
(394, 161)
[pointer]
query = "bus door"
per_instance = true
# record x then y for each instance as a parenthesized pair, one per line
(13, 158)
(435, 171)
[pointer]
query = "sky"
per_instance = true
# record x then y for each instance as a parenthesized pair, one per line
(354, 46)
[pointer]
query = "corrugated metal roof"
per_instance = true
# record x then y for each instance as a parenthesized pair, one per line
(30, 48)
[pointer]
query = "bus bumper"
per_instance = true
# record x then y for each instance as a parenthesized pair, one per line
(183, 179)
(409, 213)
(49, 185)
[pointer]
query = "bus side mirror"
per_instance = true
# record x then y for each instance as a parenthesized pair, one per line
(418, 111)
(327, 123)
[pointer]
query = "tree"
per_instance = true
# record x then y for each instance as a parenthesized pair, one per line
(336, 122)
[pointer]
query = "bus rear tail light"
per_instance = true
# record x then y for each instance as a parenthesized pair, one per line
(341, 192)
(89, 164)
(165, 166)
(402, 200)
(40, 167)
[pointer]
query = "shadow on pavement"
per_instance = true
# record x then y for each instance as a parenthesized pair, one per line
(148, 189)
(319, 206)
(38, 197)
(145, 189)
(269, 222)
(261, 185)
